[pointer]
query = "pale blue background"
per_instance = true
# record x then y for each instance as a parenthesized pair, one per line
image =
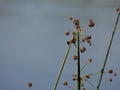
(33, 44)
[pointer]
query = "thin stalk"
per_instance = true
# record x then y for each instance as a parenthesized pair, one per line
(84, 66)
(62, 66)
(78, 65)
(106, 57)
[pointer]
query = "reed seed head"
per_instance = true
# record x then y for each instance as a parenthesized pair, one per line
(75, 57)
(65, 83)
(29, 84)
(67, 33)
(71, 18)
(110, 79)
(110, 71)
(90, 59)
(91, 23)
(87, 76)
(73, 40)
(118, 9)
(68, 42)
(83, 49)
(76, 22)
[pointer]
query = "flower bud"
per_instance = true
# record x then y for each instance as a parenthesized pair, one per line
(67, 33)
(29, 84)
(76, 22)
(65, 83)
(75, 57)
(91, 23)
(118, 9)
(83, 49)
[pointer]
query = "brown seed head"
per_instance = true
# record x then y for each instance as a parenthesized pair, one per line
(87, 76)
(29, 84)
(75, 57)
(65, 83)
(68, 42)
(76, 22)
(90, 59)
(118, 9)
(71, 18)
(110, 71)
(89, 37)
(73, 40)
(110, 79)
(91, 23)
(83, 49)
(67, 33)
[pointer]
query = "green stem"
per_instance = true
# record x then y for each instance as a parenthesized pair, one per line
(106, 57)
(78, 64)
(62, 66)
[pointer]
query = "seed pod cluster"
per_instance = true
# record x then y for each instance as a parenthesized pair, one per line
(87, 39)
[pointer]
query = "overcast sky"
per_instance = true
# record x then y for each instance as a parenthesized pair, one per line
(33, 43)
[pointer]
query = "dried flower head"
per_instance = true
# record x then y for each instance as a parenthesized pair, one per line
(73, 40)
(87, 76)
(68, 42)
(110, 79)
(29, 84)
(75, 57)
(71, 18)
(65, 83)
(83, 49)
(118, 9)
(76, 22)
(91, 23)
(90, 59)
(67, 33)
(110, 71)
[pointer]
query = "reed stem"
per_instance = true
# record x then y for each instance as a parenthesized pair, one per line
(106, 57)
(78, 63)
(62, 66)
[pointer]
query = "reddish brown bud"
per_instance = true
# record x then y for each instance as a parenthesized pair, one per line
(76, 22)
(68, 42)
(110, 71)
(83, 49)
(91, 23)
(73, 40)
(65, 83)
(90, 59)
(29, 84)
(87, 76)
(75, 57)
(71, 18)
(67, 33)
(110, 79)
(118, 9)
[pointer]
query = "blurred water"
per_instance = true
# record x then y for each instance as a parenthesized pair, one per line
(33, 41)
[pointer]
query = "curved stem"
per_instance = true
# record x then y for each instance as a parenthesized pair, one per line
(106, 57)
